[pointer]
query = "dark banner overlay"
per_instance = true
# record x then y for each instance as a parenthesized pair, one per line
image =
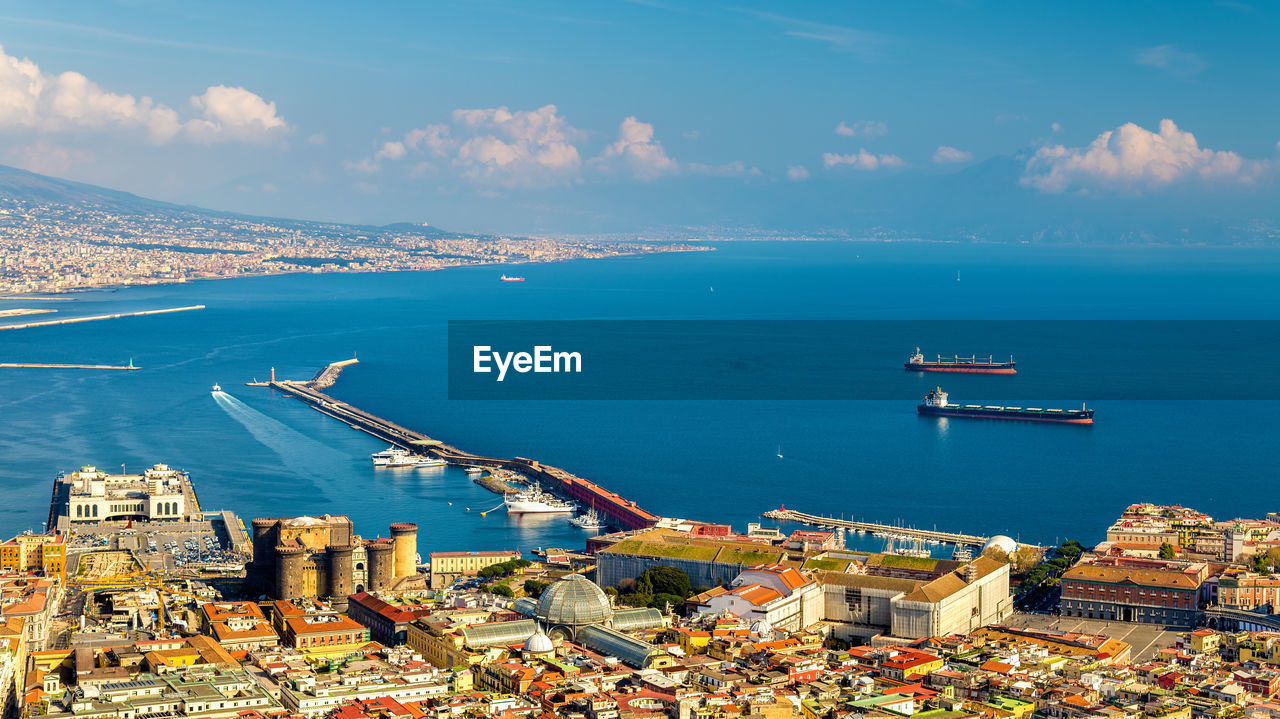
(1070, 361)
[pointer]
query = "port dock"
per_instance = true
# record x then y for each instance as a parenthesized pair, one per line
(889, 530)
(34, 365)
(622, 511)
(94, 318)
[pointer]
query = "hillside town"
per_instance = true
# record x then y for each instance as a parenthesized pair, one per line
(50, 247)
(1171, 616)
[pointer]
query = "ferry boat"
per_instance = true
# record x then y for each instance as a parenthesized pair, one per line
(473, 471)
(216, 387)
(591, 520)
(936, 404)
(396, 457)
(504, 278)
(972, 364)
(535, 501)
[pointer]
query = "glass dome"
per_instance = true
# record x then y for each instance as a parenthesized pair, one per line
(574, 601)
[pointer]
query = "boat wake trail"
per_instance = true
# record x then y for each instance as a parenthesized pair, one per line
(310, 460)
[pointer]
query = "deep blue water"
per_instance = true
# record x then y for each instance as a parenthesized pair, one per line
(260, 454)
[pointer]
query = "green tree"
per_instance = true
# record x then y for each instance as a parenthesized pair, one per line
(502, 590)
(1167, 551)
(668, 580)
(660, 601)
(644, 585)
(534, 587)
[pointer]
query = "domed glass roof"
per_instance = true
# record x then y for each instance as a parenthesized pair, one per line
(575, 601)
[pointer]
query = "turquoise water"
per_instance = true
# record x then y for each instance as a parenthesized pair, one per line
(260, 454)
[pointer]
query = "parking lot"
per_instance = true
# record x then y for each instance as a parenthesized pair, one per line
(1145, 640)
(165, 545)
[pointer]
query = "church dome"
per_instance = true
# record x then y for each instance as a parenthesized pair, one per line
(574, 601)
(539, 643)
(762, 628)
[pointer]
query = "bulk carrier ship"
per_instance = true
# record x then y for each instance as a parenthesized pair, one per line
(917, 363)
(935, 405)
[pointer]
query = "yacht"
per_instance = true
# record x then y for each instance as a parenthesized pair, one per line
(535, 501)
(216, 387)
(473, 471)
(591, 520)
(396, 457)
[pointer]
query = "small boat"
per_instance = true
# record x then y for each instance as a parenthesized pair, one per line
(504, 278)
(472, 471)
(779, 451)
(396, 457)
(591, 520)
(216, 387)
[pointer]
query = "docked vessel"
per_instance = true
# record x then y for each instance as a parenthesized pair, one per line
(974, 364)
(504, 278)
(474, 471)
(591, 520)
(535, 501)
(935, 404)
(396, 457)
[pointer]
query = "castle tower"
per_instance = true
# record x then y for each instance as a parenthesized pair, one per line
(405, 535)
(263, 544)
(289, 561)
(318, 564)
(381, 566)
(340, 584)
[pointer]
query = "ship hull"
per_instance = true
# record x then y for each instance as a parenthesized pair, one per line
(967, 368)
(1076, 416)
(526, 508)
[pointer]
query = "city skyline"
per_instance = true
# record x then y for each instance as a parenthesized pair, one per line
(638, 116)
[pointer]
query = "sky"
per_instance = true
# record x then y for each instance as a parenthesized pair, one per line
(659, 115)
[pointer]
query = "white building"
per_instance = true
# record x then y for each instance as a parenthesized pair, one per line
(781, 596)
(96, 496)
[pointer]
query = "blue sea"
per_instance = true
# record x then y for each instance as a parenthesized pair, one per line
(260, 454)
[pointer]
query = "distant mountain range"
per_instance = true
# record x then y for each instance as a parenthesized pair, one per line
(984, 202)
(21, 186)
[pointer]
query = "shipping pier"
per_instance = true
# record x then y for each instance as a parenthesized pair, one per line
(889, 530)
(623, 512)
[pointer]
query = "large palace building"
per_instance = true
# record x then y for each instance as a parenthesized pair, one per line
(159, 493)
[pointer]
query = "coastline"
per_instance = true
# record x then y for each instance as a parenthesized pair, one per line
(63, 295)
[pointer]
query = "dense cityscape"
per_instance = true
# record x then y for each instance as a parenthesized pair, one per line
(621, 417)
(139, 602)
(56, 247)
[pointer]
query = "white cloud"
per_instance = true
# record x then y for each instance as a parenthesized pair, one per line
(864, 128)
(797, 173)
(1182, 65)
(513, 149)
(946, 154)
(639, 151)
(538, 148)
(234, 113)
(69, 102)
(316, 139)
(861, 160)
(393, 150)
(1055, 127)
(1133, 158)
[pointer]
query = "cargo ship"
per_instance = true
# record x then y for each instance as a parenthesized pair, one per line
(935, 404)
(504, 278)
(917, 363)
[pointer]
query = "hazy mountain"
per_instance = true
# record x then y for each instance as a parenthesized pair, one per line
(28, 188)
